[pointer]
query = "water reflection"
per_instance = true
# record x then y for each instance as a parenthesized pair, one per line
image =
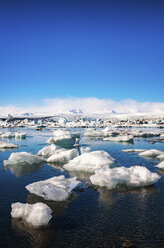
(23, 169)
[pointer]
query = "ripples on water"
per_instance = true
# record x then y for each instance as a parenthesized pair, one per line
(94, 217)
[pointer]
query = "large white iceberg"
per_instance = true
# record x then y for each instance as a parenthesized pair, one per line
(56, 188)
(135, 176)
(153, 153)
(63, 156)
(4, 145)
(48, 151)
(36, 215)
(121, 138)
(63, 141)
(89, 162)
(22, 158)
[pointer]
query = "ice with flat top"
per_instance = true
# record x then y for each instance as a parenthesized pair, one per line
(121, 138)
(36, 215)
(89, 162)
(4, 145)
(133, 177)
(23, 158)
(57, 188)
(153, 153)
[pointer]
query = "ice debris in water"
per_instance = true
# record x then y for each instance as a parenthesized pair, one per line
(89, 162)
(62, 138)
(121, 138)
(151, 153)
(4, 145)
(161, 157)
(21, 158)
(133, 150)
(36, 215)
(135, 176)
(20, 135)
(63, 156)
(160, 165)
(48, 151)
(57, 188)
(84, 149)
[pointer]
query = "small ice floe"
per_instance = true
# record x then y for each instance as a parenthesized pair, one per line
(133, 150)
(4, 145)
(93, 133)
(36, 215)
(48, 151)
(121, 138)
(89, 162)
(161, 157)
(153, 153)
(56, 188)
(85, 150)
(63, 156)
(8, 135)
(160, 165)
(135, 176)
(23, 158)
(62, 138)
(110, 132)
(19, 135)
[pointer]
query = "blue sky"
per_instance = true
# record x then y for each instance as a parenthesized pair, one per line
(103, 49)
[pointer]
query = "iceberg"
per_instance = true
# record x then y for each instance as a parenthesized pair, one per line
(20, 135)
(63, 156)
(89, 162)
(23, 158)
(122, 138)
(62, 138)
(160, 165)
(133, 150)
(4, 145)
(48, 151)
(7, 135)
(84, 149)
(37, 215)
(153, 153)
(57, 188)
(135, 176)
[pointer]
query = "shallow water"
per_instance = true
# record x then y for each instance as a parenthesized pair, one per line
(90, 218)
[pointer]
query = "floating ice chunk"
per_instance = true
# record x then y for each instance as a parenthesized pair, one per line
(36, 215)
(161, 157)
(63, 141)
(133, 150)
(56, 188)
(60, 132)
(63, 156)
(85, 149)
(89, 162)
(160, 165)
(110, 132)
(123, 138)
(135, 176)
(23, 158)
(7, 135)
(151, 153)
(4, 145)
(93, 133)
(48, 151)
(20, 135)
(162, 135)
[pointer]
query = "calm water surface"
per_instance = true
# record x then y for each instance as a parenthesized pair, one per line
(94, 217)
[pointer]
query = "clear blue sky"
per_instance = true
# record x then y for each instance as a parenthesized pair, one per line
(107, 49)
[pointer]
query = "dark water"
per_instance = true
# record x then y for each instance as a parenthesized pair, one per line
(90, 218)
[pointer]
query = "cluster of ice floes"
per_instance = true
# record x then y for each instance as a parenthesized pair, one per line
(62, 138)
(89, 162)
(23, 158)
(135, 176)
(4, 145)
(12, 135)
(36, 215)
(121, 138)
(56, 188)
